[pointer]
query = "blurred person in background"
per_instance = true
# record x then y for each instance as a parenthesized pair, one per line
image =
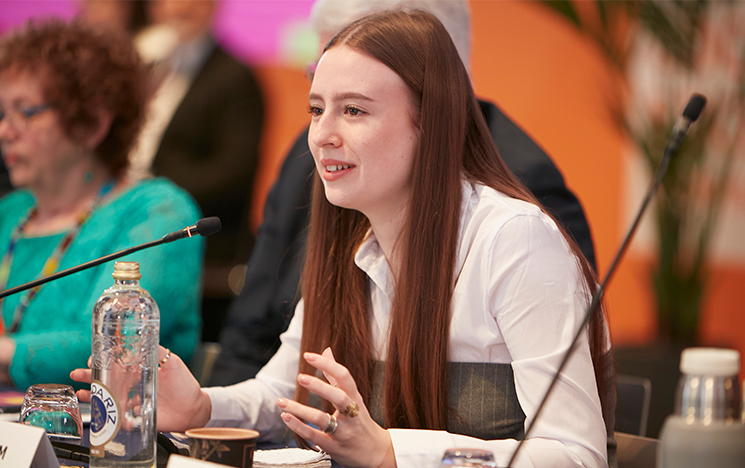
(202, 132)
(266, 304)
(72, 102)
(125, 17)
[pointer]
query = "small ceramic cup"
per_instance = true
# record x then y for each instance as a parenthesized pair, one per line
(224, 445)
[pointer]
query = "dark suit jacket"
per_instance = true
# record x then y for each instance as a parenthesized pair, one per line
(265, 306)
(211, 149)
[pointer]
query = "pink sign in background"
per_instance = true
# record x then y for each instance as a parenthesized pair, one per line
(252, 29)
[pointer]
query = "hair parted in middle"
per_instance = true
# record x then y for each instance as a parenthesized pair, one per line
(454, 144)
(329, 16)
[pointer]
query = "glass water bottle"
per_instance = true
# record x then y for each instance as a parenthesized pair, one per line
(126, 324)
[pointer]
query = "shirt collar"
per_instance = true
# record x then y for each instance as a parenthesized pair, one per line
(371, 259)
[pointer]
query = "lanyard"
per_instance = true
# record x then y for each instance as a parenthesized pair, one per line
(52, 263)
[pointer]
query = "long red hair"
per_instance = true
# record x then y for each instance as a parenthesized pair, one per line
(454, 144)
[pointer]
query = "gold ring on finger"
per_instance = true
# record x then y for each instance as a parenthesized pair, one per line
(351, 410)
(166, 357)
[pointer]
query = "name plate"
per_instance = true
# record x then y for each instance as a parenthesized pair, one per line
(180, 461)
(24, 446)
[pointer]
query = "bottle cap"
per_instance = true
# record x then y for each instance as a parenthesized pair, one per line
(710, 361)
(126, 271)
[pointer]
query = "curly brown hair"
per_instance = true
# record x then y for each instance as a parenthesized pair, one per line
(83, 70)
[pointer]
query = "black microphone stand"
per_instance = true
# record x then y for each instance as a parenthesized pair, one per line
(204, 227)
(78, 268)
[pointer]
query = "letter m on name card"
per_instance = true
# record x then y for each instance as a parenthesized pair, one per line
(25, 447)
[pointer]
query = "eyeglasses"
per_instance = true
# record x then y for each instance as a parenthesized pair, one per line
(19, 118)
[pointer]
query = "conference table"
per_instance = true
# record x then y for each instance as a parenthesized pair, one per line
(633, 451)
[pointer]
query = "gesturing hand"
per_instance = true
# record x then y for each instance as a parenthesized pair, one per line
(353, 438)
(181, 402)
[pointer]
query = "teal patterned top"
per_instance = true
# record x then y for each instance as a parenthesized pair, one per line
(54, 336)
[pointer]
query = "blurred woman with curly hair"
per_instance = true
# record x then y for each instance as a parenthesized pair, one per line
(72, 102)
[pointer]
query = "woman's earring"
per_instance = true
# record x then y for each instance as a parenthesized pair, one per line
(88, 177)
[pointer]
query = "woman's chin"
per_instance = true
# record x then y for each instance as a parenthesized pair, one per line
(18, 182)
(341, 204)
(336, 198)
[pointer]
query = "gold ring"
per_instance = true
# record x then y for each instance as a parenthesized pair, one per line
(331, 427)
(165, 358)
(351, 410)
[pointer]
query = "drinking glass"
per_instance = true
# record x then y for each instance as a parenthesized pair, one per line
(55, 408)
(467, 458)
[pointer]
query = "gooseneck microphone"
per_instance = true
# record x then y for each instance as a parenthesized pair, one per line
(204, 227)
(690, 114)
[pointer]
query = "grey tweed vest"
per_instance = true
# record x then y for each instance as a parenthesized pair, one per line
(483, 402)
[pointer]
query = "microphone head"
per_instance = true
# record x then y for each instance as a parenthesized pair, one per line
(208, 226)
(695, 106)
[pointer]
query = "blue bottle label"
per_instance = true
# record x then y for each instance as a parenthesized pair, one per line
(105, 418)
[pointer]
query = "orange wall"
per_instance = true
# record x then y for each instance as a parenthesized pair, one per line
(554, 83)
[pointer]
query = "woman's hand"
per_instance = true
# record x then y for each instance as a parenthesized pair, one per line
(357, 441)
(181, 402)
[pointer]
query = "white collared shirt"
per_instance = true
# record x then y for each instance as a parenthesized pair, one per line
(518, 299)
